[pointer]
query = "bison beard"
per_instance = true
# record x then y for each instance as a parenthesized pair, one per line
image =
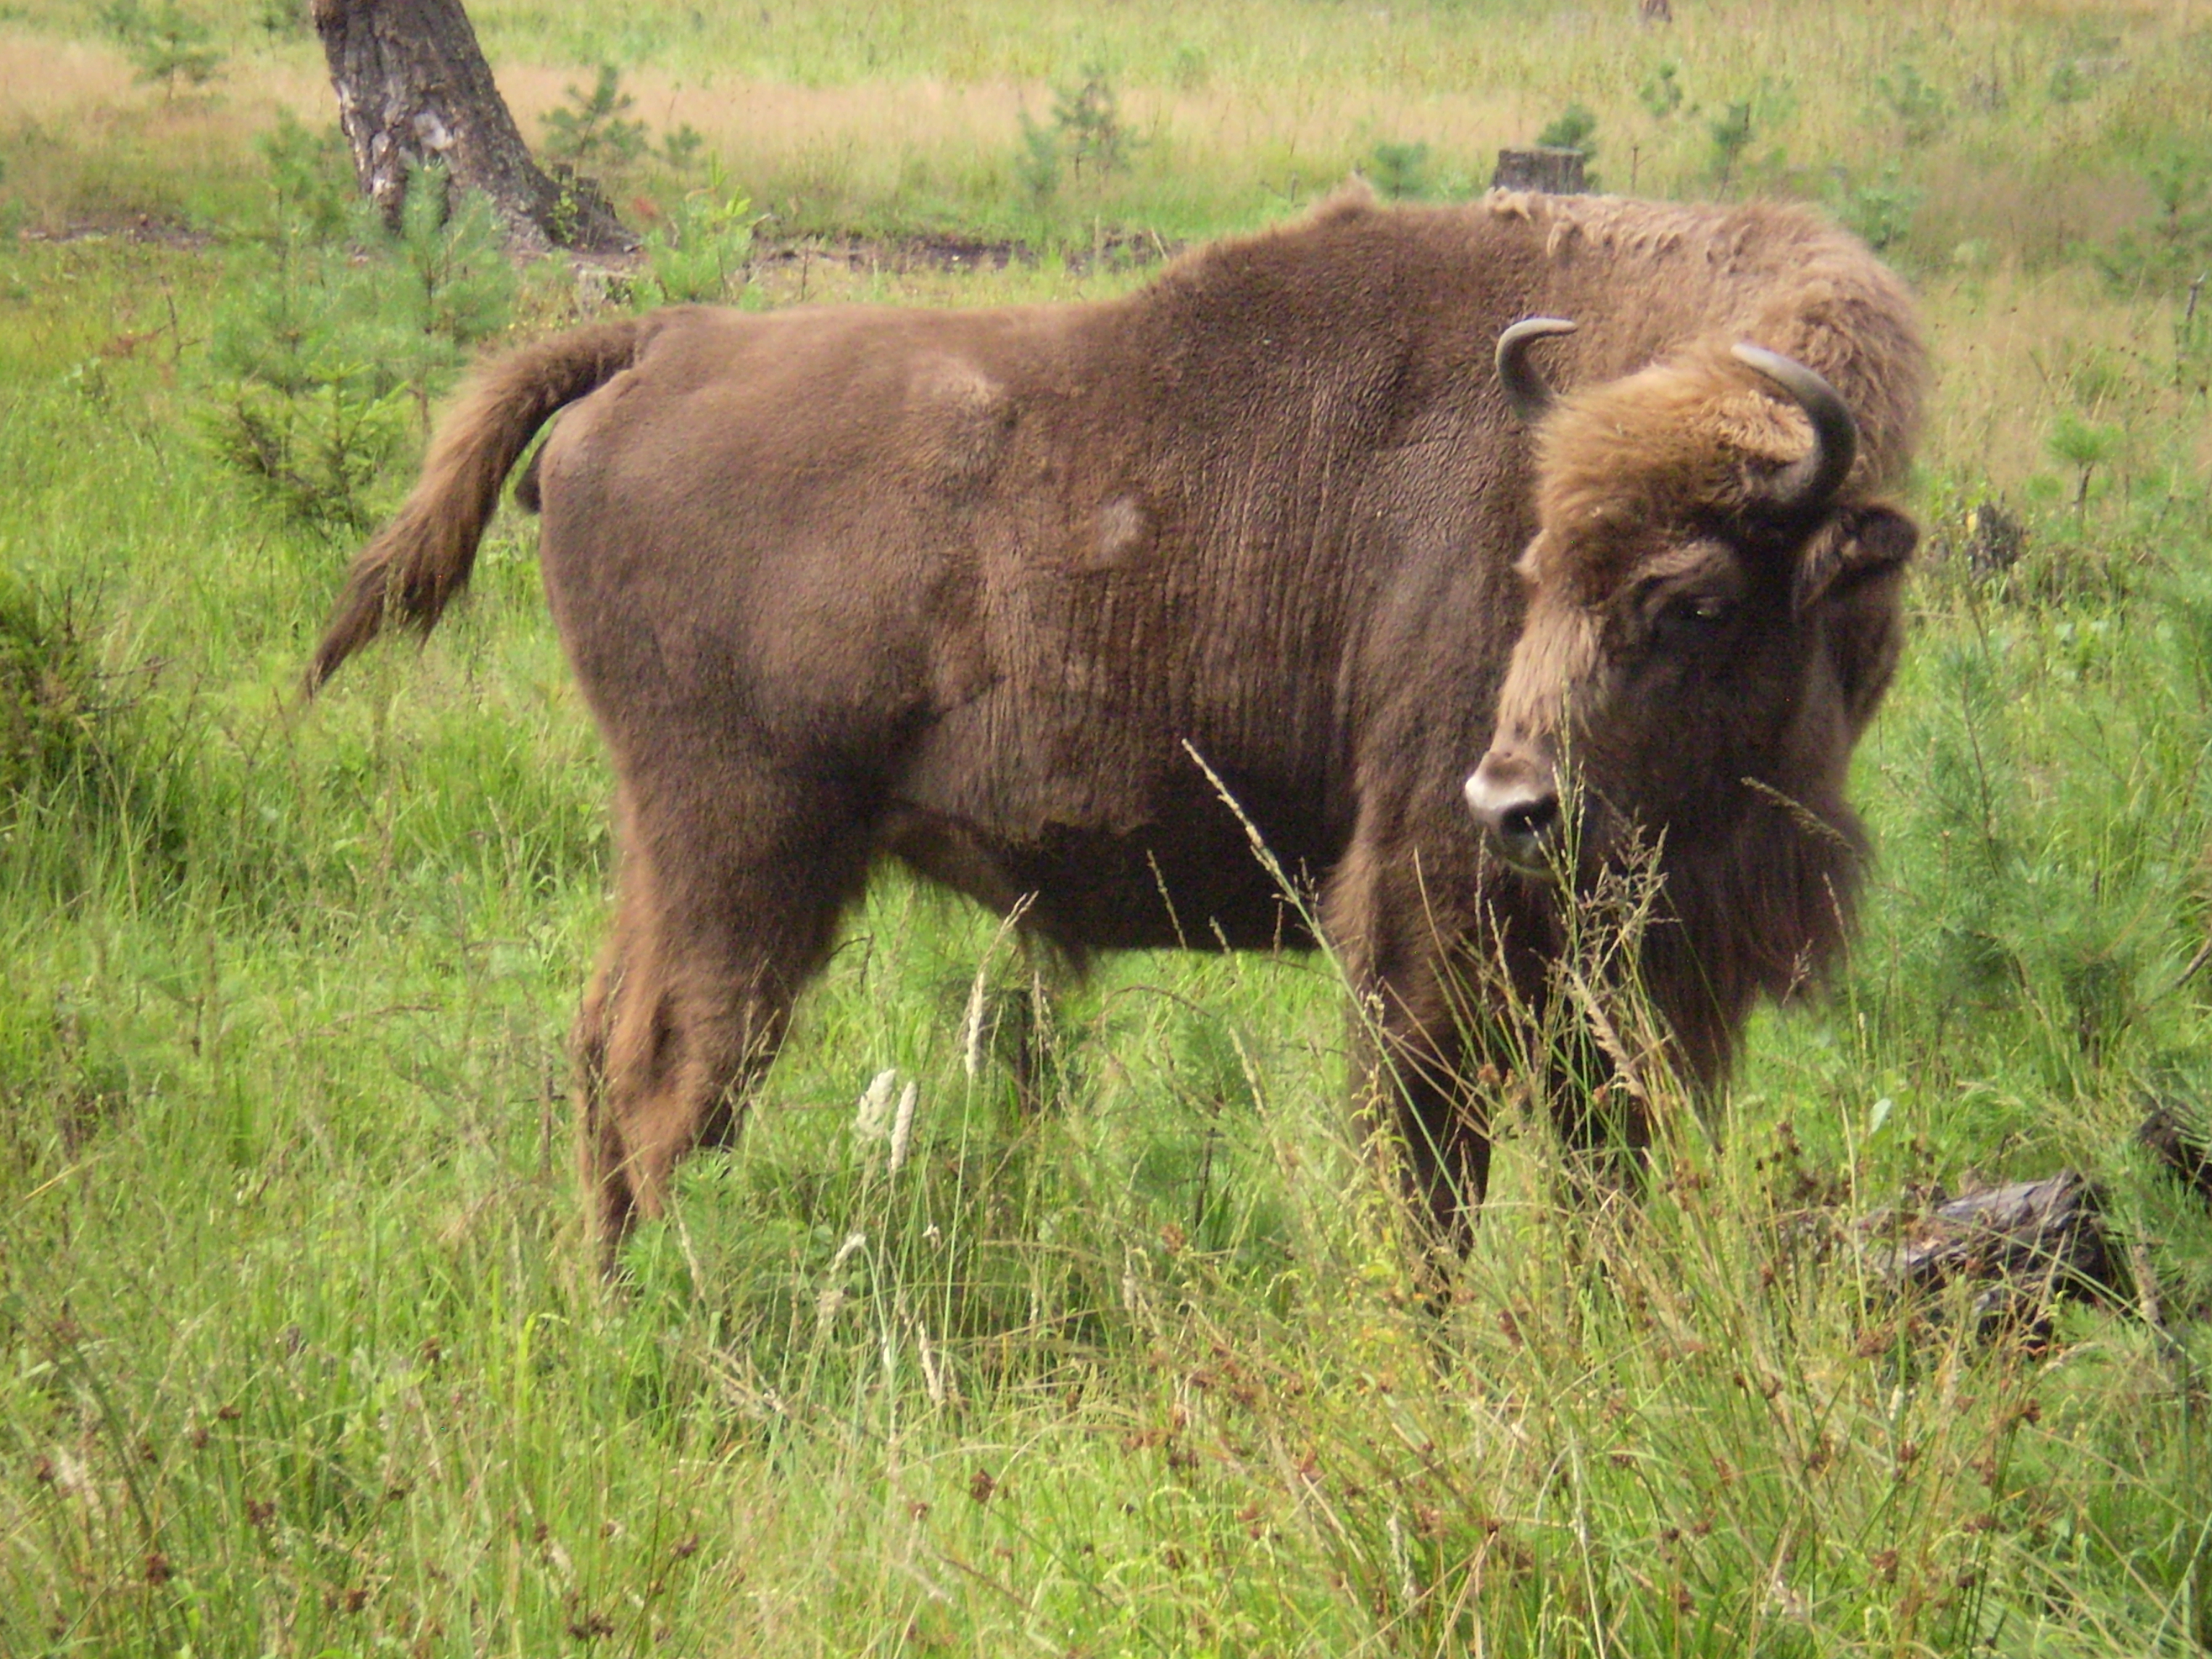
(971, 589)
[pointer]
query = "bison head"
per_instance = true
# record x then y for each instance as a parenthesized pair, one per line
(1712, 615)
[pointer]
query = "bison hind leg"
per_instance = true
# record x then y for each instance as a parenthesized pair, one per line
(691, 1003)
(663, 1062)
(1440, 1132)
(1016, 1025)
(598, 1154)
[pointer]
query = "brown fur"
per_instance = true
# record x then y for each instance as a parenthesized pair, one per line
(959, 587)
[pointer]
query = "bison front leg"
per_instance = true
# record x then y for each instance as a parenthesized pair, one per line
(1411, 1050)
(1417, 1105)
(1603, 1127)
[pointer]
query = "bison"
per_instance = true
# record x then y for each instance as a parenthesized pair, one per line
(1024, 598)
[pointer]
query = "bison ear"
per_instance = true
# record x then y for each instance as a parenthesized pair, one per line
(1856, 546)
(1850, 573)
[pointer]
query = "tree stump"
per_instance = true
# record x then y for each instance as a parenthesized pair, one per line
(1995, 539)
(1553, 171)
(413, 87)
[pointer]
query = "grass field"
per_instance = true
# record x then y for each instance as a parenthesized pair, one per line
(301, 1351)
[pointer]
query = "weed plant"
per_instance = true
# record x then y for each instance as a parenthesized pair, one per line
(1576, 129)
(166, 43)
(339, 331)
(699, 252)
(170, 45)
(1399, 172)
(593, 132)
(1083, 142)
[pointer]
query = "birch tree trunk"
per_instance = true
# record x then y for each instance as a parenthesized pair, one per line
(413, 87)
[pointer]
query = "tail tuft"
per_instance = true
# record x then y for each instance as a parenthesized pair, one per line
(412, 569)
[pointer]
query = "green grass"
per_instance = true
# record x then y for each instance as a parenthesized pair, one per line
(299, 1349)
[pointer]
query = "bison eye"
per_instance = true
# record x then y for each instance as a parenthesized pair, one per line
(1687, 622)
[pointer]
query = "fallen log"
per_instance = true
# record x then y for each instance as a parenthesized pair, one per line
(2178, 1149)
(2029, 1245)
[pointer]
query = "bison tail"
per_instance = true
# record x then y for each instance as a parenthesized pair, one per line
(422, 559)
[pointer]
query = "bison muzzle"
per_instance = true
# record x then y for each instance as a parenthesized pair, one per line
(1017, 597)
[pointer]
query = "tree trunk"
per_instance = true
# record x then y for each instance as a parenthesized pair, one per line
(413, 87)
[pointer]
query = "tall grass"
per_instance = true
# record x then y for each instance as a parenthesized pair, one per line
(301, 1350)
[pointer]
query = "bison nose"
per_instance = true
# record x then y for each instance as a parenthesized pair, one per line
(1516, 801)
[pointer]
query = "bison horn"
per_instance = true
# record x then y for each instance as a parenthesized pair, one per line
(1524, 388)
(1810, 483)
